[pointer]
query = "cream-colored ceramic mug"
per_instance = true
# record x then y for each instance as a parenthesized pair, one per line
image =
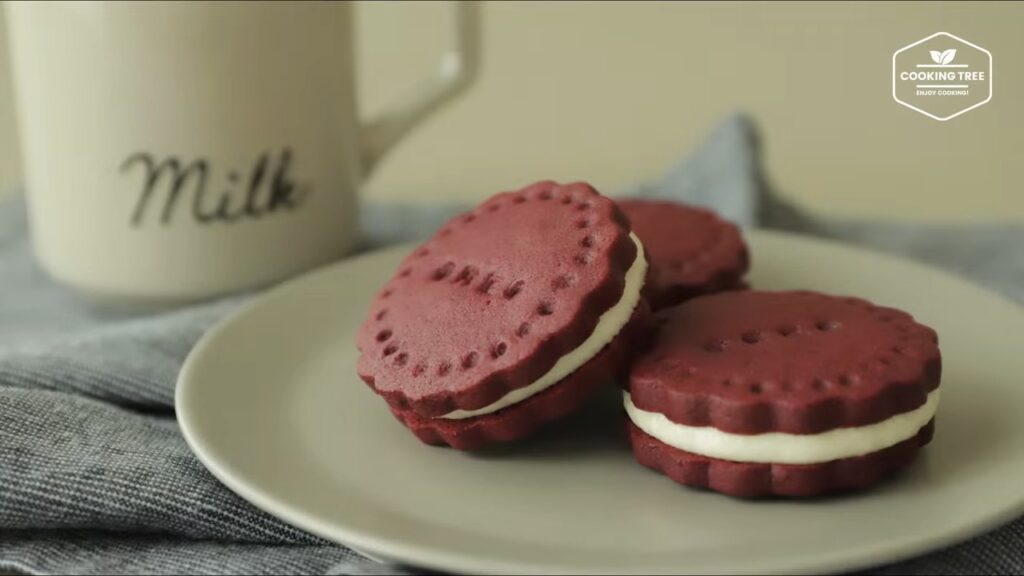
(181, 150)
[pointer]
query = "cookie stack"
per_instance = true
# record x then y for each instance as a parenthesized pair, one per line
(783, 393)
(509, 317)
(515, 313)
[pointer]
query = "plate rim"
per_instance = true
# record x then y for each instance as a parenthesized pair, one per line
(424, 556)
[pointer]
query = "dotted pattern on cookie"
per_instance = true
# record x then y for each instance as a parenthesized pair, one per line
(798, 362)
(495, 297)
(521, 419)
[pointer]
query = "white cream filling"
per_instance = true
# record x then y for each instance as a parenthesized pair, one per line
(608, 326)
(780, 447)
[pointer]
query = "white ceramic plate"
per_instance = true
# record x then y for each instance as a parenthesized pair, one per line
(270, 402)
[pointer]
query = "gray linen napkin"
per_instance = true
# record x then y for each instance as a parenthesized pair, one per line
(96, 479)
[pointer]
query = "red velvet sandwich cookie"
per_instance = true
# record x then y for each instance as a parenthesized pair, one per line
(692, 251)
(509, 317)
(783, 393)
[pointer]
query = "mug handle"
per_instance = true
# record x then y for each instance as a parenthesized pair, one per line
(457, 71)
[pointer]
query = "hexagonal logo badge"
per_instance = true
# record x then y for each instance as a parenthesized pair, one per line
(942, 76)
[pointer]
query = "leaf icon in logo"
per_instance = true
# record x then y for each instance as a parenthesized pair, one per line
(936, 56)
(947, 56)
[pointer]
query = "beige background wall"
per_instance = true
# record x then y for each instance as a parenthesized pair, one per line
(612, 93)
(10, 168)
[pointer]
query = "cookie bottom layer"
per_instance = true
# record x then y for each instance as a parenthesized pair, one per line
(751, 480)
(523, 418)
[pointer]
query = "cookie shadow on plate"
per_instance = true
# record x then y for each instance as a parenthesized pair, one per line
(970, 430)
(598, 427)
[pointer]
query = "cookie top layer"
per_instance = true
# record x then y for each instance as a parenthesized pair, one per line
(692, 250)
(495, 298)
(798, 362)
